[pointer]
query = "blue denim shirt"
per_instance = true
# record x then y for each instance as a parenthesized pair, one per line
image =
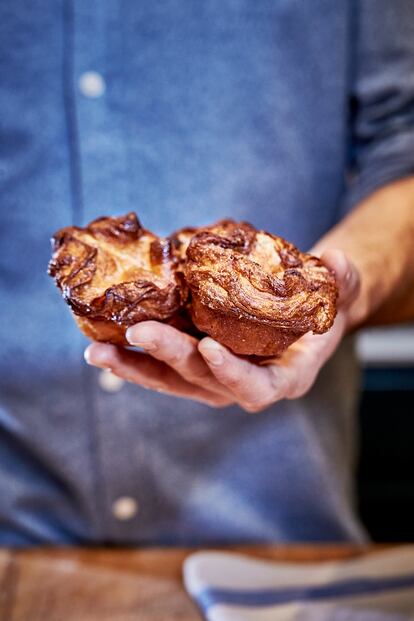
(255, 110)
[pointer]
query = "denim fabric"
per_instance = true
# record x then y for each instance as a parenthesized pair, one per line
(226, 107)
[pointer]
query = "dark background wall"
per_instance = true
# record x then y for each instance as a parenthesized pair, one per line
(386, 469)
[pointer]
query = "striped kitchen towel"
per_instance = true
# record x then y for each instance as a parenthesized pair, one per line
(232, 587)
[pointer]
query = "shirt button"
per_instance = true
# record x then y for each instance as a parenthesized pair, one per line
(92, 84)
(109, 382)
(125, 508)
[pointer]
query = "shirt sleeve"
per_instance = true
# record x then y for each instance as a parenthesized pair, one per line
(381, 97)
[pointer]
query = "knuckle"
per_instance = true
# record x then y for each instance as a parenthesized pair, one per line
(355, 278)
(148, 386)
(178, 354)
(118, 370)
(297, 391)
(254, 407)
(156, 386)
(295, 394)
(232, 381)
(126, 372)
(278, 390)
(199, 375)
(116, 359)
(174, 358)
(135, 378)
(219, 403)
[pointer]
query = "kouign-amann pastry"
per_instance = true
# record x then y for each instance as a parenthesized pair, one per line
(253, 291)
(114, 273)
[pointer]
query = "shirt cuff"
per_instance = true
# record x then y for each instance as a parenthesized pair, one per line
(379, 164)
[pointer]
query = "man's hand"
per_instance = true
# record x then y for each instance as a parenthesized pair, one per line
(178, 364)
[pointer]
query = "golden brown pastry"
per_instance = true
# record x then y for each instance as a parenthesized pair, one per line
(250, 290)
(255, 292)
(114, 273)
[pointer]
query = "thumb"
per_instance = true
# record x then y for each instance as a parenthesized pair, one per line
(346, 275)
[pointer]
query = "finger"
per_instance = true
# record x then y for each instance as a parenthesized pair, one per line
(301, 363)
(178, 350)
(289, 376)
(144, 370)
(252, 386)
(346, 275)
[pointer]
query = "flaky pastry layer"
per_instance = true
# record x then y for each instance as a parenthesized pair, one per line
(114, 270)
(238, 271)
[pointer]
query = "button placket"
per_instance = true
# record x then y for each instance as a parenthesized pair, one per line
(105, 169)
(102, 157)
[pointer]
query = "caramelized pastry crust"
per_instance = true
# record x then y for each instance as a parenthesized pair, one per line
(114, 273)
(250, 290)
(253, 291)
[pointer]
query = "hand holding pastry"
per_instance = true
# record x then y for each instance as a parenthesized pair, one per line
(269, 307)
(206, 371)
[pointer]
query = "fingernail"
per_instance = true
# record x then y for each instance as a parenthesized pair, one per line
(139, 340)
(95, 359)
(86, 355)
(213, 355)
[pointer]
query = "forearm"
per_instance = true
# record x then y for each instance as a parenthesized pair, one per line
(378, 237)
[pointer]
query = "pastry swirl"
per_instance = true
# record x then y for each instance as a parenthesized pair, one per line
(256, 292)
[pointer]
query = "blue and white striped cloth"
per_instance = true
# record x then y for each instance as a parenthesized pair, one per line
(232, 587)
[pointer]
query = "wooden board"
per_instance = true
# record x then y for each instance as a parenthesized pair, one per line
(68, 584)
